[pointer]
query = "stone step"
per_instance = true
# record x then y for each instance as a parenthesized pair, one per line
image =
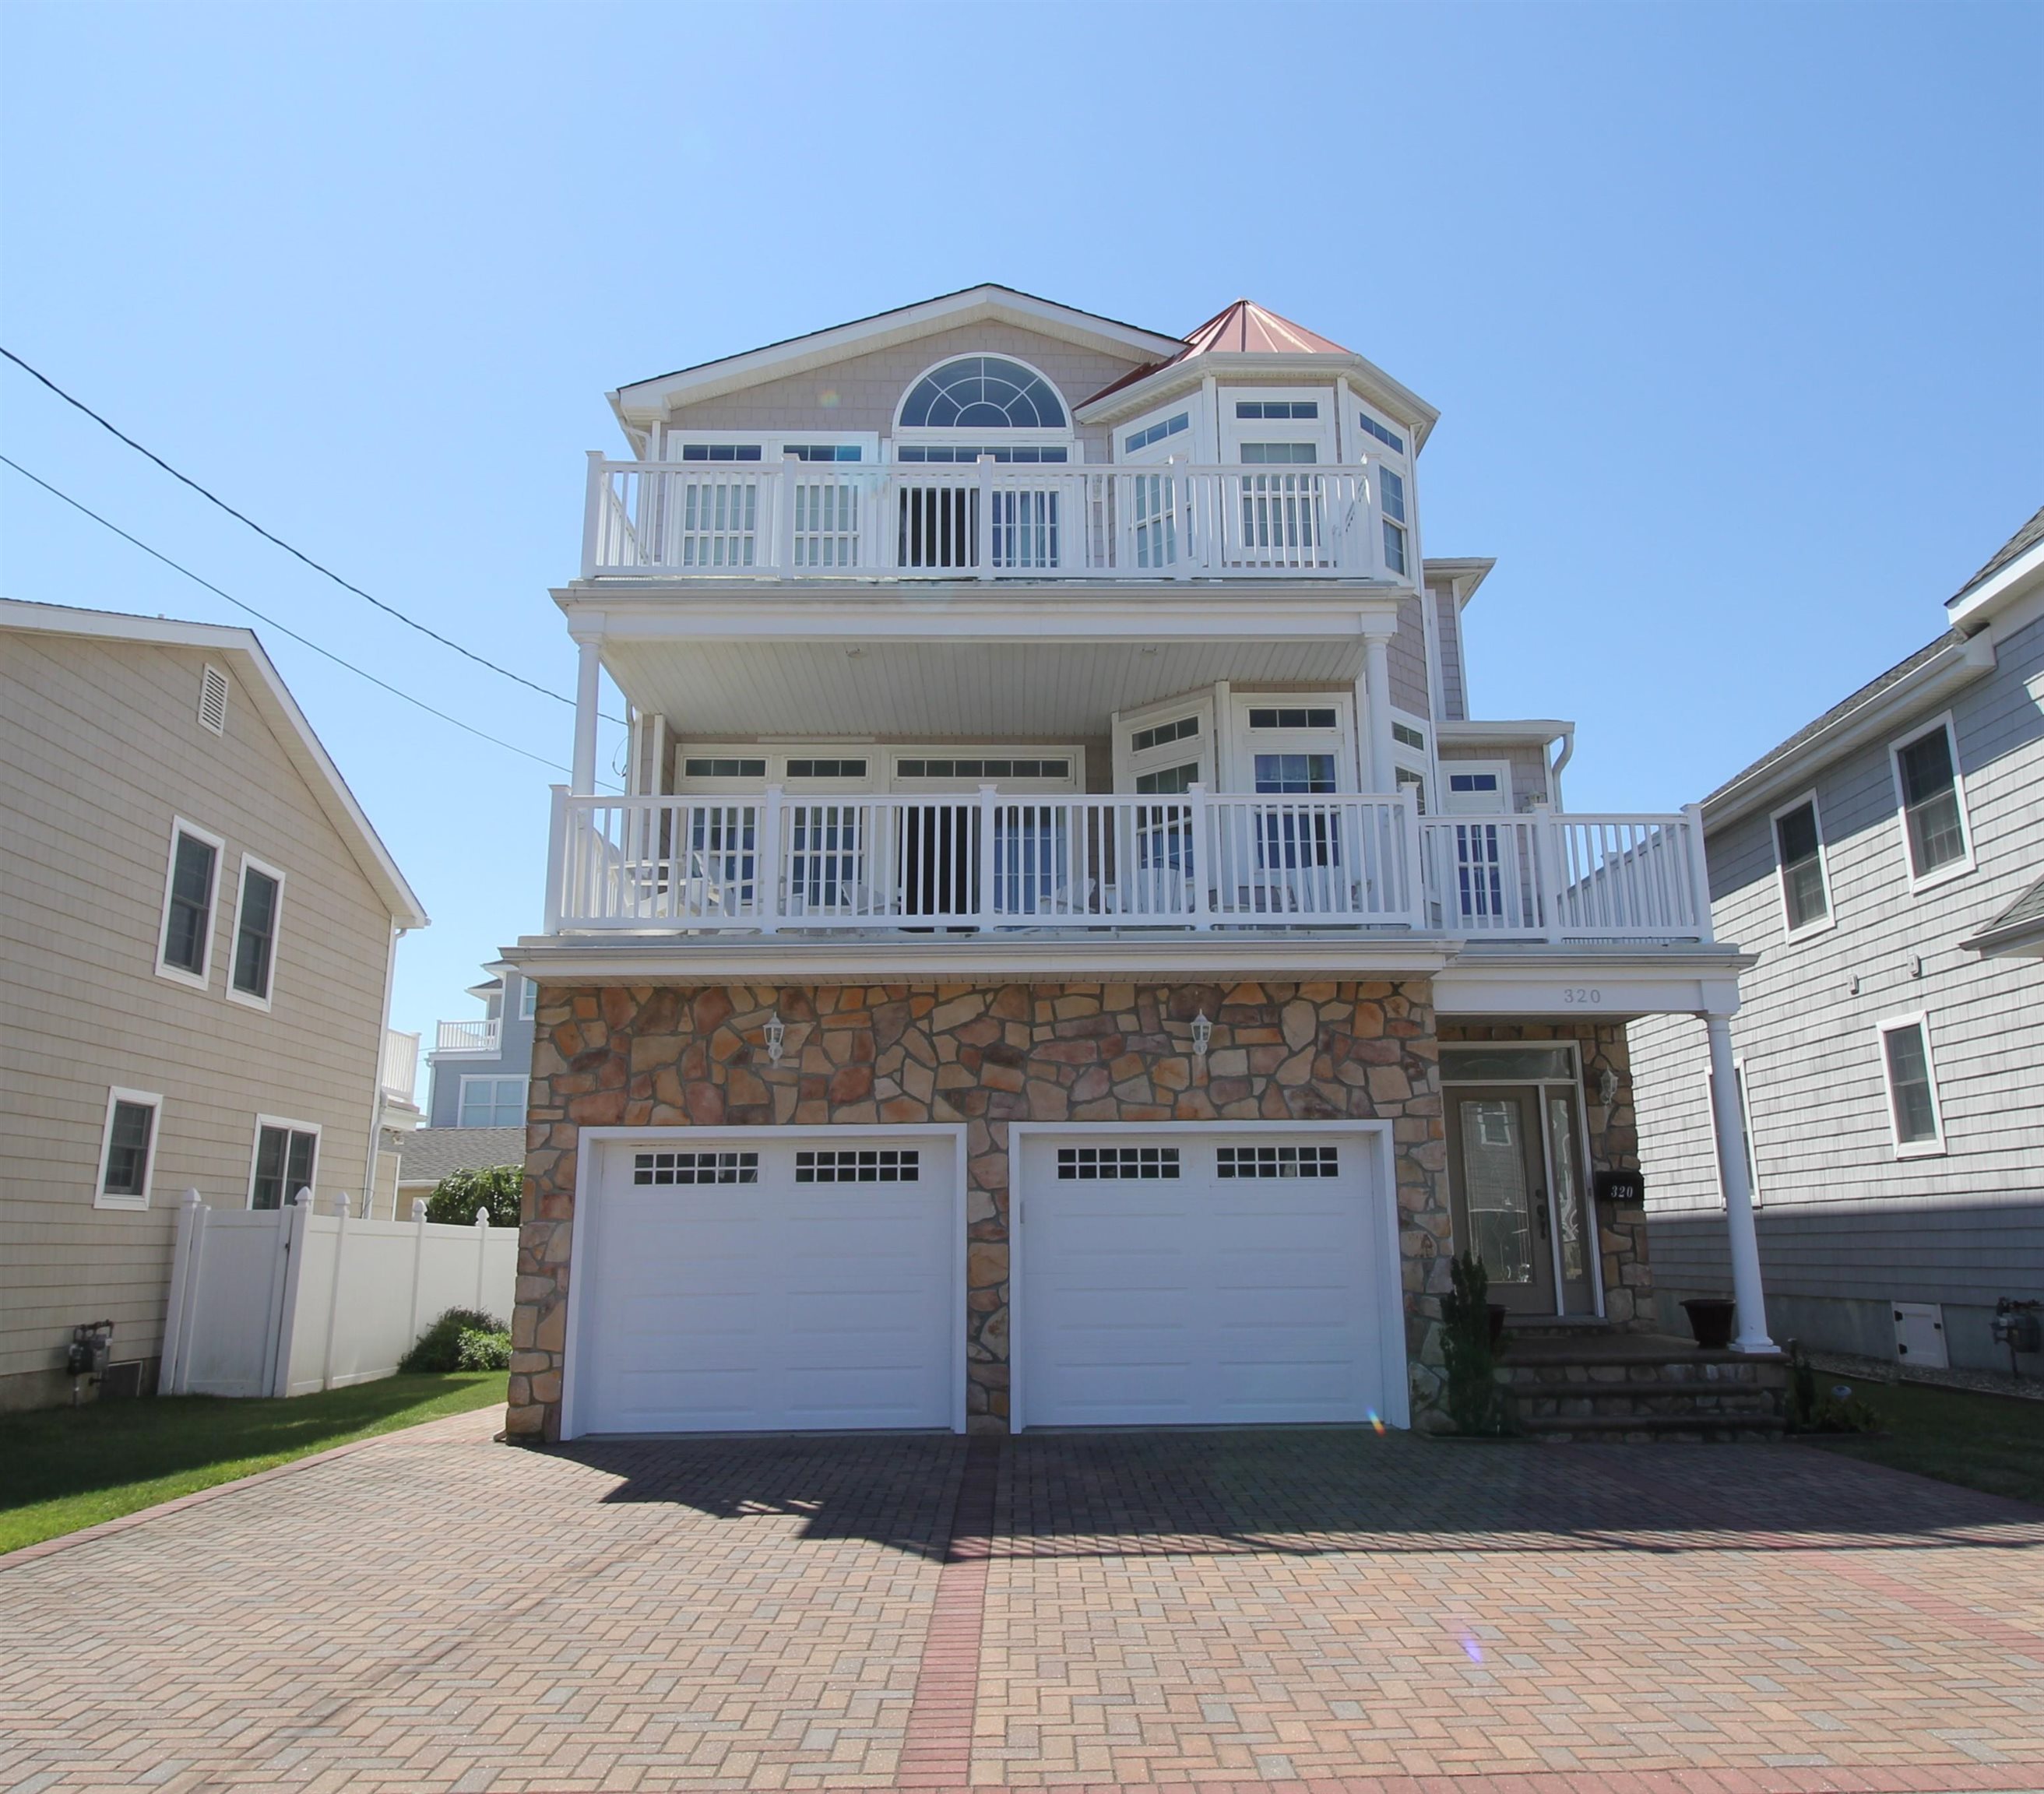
(1704, 1426)
(1640, 1391)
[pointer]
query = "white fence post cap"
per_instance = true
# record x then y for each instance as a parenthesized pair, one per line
(482, 1217)
(193, 1200)
(344, 1204)
(303, 1199)
(418, 1208)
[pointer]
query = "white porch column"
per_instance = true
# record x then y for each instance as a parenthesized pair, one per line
(1377, 687)
(1727, 1124)
(587, 685)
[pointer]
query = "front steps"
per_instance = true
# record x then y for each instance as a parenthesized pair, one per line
(1595, 1385)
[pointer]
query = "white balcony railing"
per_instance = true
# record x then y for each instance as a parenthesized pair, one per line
(1557, 877)
(401, 1064)
(1196, 860)
(486, 1036)
(989, 862)
(800, 519)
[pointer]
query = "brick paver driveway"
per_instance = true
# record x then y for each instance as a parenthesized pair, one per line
(1318, 1608)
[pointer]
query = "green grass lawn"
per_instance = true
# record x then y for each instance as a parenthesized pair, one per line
(64, 1467)
(1990, 1442)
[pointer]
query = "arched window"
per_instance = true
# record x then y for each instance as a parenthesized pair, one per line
(983, 392)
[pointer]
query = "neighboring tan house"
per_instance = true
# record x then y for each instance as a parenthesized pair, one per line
(197, 924)
(1886, 864)
(1066, 953)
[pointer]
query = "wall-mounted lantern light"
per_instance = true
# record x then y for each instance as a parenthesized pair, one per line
(777, 1037)
(1606, 1086)
(1202, 1033)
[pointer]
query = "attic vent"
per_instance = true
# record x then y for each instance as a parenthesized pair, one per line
(212, 700)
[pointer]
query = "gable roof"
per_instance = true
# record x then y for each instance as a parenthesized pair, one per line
(2018, 929)
(643, 399)
(2026, 538)
(265, 689)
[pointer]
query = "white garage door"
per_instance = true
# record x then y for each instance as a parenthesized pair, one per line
(1197, 1277)
(766, 1284)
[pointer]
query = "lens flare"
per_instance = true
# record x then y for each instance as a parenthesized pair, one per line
(1472, 1648)
(1375, 1422)
(828, 398)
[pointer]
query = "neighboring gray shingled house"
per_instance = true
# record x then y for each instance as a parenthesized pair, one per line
(1884, 863)
(433, 1153)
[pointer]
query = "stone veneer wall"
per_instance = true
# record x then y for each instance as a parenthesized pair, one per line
(1614, 1130)
(986, 1055)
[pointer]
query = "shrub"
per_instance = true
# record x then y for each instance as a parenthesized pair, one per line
(500, 1189)
(1476, 1403)
(1837, 1410)
(477, 1350)
(440, 1348)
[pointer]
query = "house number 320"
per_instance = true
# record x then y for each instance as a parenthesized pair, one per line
(1582, 996)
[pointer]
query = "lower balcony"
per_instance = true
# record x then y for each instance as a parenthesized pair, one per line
(1191, 861)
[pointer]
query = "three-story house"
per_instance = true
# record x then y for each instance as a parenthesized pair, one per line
(1065, 954)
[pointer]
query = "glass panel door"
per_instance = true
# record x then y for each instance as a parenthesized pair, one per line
(1497, 1179)
(1575, 1230)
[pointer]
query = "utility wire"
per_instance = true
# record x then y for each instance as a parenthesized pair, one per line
(303, 641)
(328, 572)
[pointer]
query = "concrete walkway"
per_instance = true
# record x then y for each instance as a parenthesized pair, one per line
(1329, 1610)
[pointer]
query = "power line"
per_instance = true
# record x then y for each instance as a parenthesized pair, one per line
(348, 585)
(303, 641)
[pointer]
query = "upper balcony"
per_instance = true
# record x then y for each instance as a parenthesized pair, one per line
(482, 1038)
(654, 521)
(1196, 861)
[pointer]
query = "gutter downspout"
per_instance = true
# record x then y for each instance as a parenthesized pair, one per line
(376, 1100)
(1567, 753)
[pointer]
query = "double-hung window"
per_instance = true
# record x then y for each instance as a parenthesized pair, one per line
(128, 1149)
(286, 1159)
(1915, 1118)
(1933, 821)
(257, 916)
(185, 945)
(1798, 846)
(1391, 501)
(492, 1102)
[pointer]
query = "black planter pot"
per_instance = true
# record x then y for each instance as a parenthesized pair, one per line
(1711, 1319)
(1496, 1323)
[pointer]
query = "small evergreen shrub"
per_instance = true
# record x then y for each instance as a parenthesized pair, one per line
(1476, 1403)
(477, 1350)
(500, 1189)
(440, 1348)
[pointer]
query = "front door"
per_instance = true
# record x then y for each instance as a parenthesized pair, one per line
(1515, 1175)
(1498, 1181)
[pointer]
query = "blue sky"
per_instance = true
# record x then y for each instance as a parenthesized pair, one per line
(1733, 314)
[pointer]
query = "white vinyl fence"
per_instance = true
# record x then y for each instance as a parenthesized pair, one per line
(284, 1302)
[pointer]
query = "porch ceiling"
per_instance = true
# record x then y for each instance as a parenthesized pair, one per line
(962, 690)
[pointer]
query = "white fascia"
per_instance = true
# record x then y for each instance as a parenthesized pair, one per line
(785, 958)
(1957, 664)
(984, 612)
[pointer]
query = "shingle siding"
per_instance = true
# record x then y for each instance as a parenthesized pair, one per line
(1843, 1216)
(868, 389)
(101, 746)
